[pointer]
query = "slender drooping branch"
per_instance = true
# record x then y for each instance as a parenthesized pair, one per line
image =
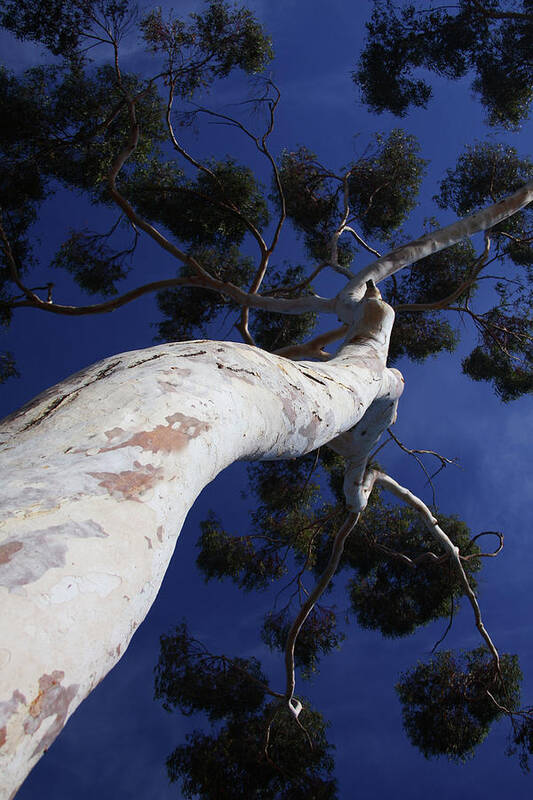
(306, 608)
(415, 453)
(433, 526)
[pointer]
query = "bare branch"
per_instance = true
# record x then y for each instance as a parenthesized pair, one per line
(438, 240)
(308, 605)
(451, 298)
(413, 452)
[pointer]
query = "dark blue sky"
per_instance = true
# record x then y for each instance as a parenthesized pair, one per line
(115, 745)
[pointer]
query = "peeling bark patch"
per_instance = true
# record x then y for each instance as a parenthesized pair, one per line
(163, 438)
(129, 484)
(160, 533)
(113, 433)
(52, 700)
(309, 431)
(7, 551)
(42, 550)
(7, 709)
(149, 542)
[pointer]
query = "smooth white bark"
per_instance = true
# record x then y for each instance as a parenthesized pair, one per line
(98, 475)
(432, 242)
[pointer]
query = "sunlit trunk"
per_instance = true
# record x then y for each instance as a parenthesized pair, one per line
(98, 475)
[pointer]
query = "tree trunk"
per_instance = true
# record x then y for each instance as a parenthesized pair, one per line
(98, 475)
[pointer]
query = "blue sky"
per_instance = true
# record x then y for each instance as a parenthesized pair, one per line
(116, 743)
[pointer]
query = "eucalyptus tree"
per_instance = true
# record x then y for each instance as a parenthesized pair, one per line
(102, 468)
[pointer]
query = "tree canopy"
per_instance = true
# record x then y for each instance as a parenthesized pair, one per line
(491, 39)
(87, 122)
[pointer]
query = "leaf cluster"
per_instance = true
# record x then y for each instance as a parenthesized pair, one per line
(207, 46)
(383, 188)
(449, 41)
(504, 355)
(420, 333)
(62, 26)
(446, 707)
(312, 194)
(212, 210)
(318, 636)
(189, 678)
(279, 523)
(259, 751)
(392, 595)
(188, 311)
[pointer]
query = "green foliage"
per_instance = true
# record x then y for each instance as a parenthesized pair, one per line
(383, 187)
(445, 702)
(382, 191)
(60, 24)
(435, 277)
(94, 265)
(260, 751)
(284, 492)
(7, 367)
(188, 311)
(50, 135)
(450, 41)
(521, 740)
(390, 594)
(319, 635)
(210, 46)
(419, 335)
(208, 211)
(485, 173)
(311, 198)
(505, 354)
(237, 557)
(232, 764)
(189, 678)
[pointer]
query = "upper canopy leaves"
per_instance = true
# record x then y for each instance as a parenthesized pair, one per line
(450, 40)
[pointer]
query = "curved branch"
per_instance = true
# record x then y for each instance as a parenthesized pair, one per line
(451, 298)
(432, 524)
(278, 305)
(441, 239)
(308, 605)
(202, 168)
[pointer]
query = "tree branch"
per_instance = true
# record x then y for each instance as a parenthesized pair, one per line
(432, 524)
(438, 240)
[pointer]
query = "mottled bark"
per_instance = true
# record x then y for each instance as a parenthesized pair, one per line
(99, 473)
